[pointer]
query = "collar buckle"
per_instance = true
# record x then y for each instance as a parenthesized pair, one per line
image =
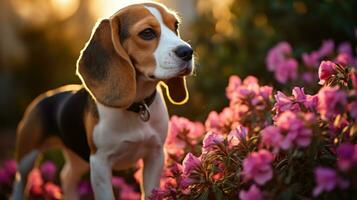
(144, 112)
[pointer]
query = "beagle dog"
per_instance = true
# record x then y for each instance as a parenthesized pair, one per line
(118, 115)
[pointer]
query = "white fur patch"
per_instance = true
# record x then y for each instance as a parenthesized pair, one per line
(168, 64)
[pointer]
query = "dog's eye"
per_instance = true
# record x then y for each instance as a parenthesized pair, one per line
(147, 34)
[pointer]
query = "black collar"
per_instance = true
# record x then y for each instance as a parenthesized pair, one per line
(143, 105)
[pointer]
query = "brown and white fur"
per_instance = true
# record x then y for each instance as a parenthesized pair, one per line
(126, 57)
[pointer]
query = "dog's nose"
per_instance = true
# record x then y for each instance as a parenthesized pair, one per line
(184, 52)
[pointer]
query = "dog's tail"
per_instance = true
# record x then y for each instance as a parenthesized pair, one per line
(29, 136)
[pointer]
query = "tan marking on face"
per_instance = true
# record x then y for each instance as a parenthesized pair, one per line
(140, 51)
(136, 19)
(169, 17)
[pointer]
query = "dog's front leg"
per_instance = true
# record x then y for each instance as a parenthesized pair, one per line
(101, 174)
(153, 164)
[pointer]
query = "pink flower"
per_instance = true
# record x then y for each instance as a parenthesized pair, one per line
(213, 121)
(181, 132)
(327, 180)
(253, 193)
(346, 156)
(312, 59)
(326, 70)
(35, 183)
(271, 137)
(345, 47)
(190, 163)
(352, 107)
(84, 189)
(186, 181)
(158, 194)
(332, 101)
(299, 94)
(284, 103)
(344, 59)
(237, 134)
(52, 191)
(277, 54)
(5, 177)
(10, 167)
(296, 131)
(7, 172)
(211, 139)
(266, 92)
(48, 170)
(233, 84)
(311, 102)
(326, 48)
(308, 77)
(257, 166)
(286, 70)
(353, 76)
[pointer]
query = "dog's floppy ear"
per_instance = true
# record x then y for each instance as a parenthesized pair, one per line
(105, 68)
(176, 90)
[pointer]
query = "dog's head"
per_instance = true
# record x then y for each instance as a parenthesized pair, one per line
(138, 39)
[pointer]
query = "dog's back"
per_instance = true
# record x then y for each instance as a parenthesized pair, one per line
(59, 113)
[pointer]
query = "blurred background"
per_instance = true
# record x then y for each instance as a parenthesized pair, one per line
(41, 40)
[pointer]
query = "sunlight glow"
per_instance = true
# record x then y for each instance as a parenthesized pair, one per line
(105, 8)
(39, 12)
(64, 8)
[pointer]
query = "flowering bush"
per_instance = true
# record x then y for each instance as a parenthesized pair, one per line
(43, 184)
(272, 145)
(265, 144)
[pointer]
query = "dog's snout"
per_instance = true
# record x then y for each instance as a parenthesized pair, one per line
(184, 52)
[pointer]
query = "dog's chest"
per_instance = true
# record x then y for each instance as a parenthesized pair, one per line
(125, 138)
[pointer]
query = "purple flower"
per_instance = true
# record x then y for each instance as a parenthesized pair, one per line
(332, 101)
(326, 48)
(48, 171)
(352, 107)
(312, 59)
(84, 188)
(326, 70)
(190, 163)
(276, 55)
(211, 139)
(327, 180)
(345, 47)
(353, 75)
(7, 172)
(283, 103)
(5, 177)
(346, 156)
(253, 193)
(257, 166)
(237, 134)
(344, 59)
(296, 131)
(286, 70)
(277, 60)
(158, 194)
(308, 77)
(266, 91)
(311, 102)
(299, 94)
(186, 181)
(271, 137)
(10, 167)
